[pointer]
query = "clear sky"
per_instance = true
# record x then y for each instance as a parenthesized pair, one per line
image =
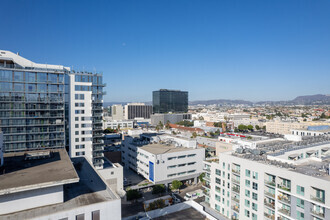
(221, 49)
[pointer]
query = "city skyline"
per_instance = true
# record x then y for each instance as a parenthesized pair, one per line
(214, 50)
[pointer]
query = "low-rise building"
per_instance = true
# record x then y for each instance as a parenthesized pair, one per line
(47, 185)
(162, 162)
(118, 124)
(171, 118)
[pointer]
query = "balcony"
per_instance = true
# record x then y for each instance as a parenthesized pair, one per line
(206, 185)
(236, 189)
(206, 193)
(285, 211)
(317, 213)
(236, 199)
(270, 183)
(235, 181)
(236, 171)
(270, 205)
(269, 194)
(235, 208)
(317, 199)
(207, 169)
(269, 216)
(284, 198)
(284, 187)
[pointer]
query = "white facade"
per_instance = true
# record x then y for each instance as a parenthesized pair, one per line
(115, 124)
(241, 188)
(117, 112)
(80, 119)
(162, 163)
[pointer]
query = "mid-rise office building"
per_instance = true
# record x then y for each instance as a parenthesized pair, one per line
(137, 110)
(171, 118)
(287, 182)
(32, 113)
(165, 101)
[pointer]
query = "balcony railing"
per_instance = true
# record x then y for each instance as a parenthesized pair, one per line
(235, 181)
(317, 199)
(236, 189)
(285, 199)
(270, 194)
(284, 211)
(235, 208)
(236, 171)
(284, 187)
(270, 183)
(235, 199)
(269, 216)
(270, 205)
(320, 214)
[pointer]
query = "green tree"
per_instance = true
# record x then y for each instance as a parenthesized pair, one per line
(176, 184)
(133, 195)
(158, 189)
(217, 124)
(185, 123)
(194, 134)
(257, 127)
(201, 177)
(264, 128)
(167, 125)
(250, 127)
(242, 127)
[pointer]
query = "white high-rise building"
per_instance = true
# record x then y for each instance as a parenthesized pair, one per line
(80, 118)
(288, 182)
(117, 112)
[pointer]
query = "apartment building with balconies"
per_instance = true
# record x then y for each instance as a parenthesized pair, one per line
(272, 185)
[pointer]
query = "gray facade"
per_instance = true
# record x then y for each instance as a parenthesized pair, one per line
(172, 118)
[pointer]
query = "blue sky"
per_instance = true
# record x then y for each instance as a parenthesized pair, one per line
(252, 50)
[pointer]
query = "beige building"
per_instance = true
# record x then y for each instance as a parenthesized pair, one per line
(282, 127)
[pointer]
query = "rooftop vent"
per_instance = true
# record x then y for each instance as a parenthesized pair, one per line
(37, 155)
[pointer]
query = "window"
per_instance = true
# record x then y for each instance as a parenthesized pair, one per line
(81, 146)
(80, 217)
(79, 96)
(247, 183)
(218, 172)
(247, 213)
(300, 215)
(217, 180)
(255, 196)
(80, 153)
(76, 132)
(254, 206)
(191, 155)
(217, 198)
(76, 118)
(77, 140)
(247, 193)
(182, 156)
(247, 173)
(182, 165)
(171, 158)
(76, 125)
(254, 216)
(223, 165)
(300, 203)
(170, 167)
(255, 186)
(255, 175)
(96, 215)
(300, 190)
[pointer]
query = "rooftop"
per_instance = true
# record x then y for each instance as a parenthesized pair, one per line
(20, 173)
(164, 148)
(90, 189)
(22, 63)
(285, 155)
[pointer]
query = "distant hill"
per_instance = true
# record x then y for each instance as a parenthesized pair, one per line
(300, 100)
(221, 102)
(318, 99)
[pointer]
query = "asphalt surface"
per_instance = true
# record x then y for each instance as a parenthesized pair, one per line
(190, 213)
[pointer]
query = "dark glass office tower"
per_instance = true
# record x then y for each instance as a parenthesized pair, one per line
(31, 104)
(174, 101)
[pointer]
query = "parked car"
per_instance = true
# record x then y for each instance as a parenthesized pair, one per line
(194, 194)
